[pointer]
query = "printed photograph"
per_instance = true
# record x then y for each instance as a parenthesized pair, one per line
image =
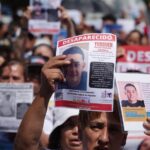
(7, 104)
(130, 94)
(76, 72)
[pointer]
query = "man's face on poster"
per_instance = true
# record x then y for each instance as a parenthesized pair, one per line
(131, 93)
(73, 72)
(37, 8)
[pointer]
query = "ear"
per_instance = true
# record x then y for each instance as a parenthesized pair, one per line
(124, 138)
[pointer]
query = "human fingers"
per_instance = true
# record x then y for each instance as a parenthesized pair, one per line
(48, 80)
(54, 75)
(57, 61)
(146, 125)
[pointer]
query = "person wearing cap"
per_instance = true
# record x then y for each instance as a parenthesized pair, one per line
(65, 135)
(76, 77)
(65, 130)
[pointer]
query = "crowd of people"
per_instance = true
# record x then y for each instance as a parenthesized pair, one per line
(25, 57)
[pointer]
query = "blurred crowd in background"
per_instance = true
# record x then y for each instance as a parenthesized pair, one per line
(22, 54)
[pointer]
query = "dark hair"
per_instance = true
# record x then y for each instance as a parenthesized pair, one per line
(43, 44)
(135, 31)
(14, 62)
(129, 84)
(74, 50)
(1, 24)
(109, 17)
(30, 36)
(85, 117)
(37, 2)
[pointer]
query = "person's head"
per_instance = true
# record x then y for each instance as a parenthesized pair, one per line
(101, 130)
(13, 72)
(145, 144)
(109, 19)
(33, 71)
(3, 29)
(65, 135)
(29, 41)
(134, 38)
(131, 92)
(42, 47)
(73, 72)
(37, 7)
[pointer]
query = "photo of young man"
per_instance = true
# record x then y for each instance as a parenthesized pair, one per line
(132, 97)
(76, 77)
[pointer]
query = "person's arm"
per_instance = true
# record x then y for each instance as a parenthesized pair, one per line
(146, 125)
(30, 130)
(66, 20)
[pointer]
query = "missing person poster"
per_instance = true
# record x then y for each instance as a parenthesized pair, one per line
(14, 102)
(89, 78)
(134, 99)
(136, 58)
(44, 17)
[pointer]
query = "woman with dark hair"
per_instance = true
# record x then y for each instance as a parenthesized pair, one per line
(134, 38)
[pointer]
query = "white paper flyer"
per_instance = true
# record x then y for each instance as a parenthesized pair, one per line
(134, 99)
(14, 102)
(45, 19)
(89, 78)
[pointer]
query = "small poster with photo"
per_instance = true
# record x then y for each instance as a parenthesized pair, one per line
(89, 78)
(134, 95)
(15, 99)
(44, 17)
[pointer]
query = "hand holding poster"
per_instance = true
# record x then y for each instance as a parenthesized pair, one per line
(89, 77)
(133, 91)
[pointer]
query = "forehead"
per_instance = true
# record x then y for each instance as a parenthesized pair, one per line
(100, 118)
(130, 88)
(135, 35)
(42, 48)
(16, 68)
(75, 56)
